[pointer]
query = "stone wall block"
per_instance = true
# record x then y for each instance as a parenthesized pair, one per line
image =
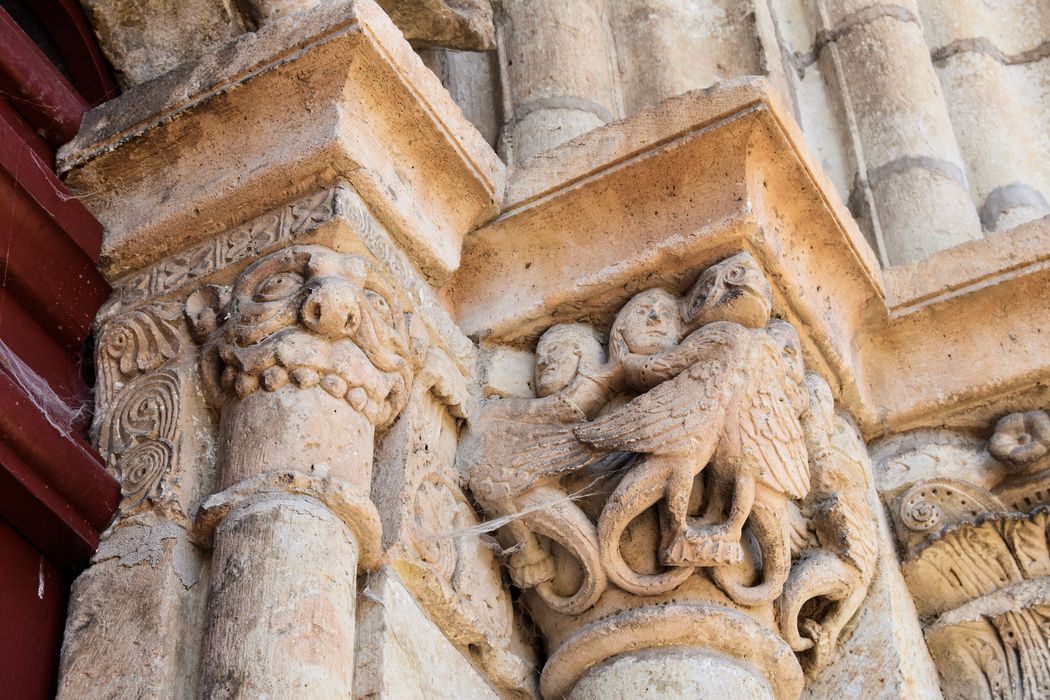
(156, 435)
(135, 617)
(403, 654)
(146, 38)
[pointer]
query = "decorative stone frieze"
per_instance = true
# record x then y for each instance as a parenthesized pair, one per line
(976, 557)
(688, 488)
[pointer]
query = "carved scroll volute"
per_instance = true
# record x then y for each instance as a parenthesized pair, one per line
(140, 400)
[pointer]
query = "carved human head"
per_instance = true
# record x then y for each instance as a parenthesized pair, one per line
(790, 346)
(307, 316)
(734, 290)
(563, 351)
(648, 323)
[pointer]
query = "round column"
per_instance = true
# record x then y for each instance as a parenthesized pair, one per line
(659, 674)
(560, 69)
(910, 158)
(286, 546)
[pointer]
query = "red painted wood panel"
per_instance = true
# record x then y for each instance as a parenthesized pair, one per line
(32, 609)
(41, 93)
(88, 70)
(55, 495)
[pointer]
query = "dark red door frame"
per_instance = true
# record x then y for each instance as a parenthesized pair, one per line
(55, 494)
(50, 290)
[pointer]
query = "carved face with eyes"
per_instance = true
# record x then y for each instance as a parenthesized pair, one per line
(562, 352)
(649, 323)
(307, 315)
(734, 290)
(788, 342)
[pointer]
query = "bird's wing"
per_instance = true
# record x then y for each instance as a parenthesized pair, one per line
(517, 445)
(769, 427)
(682, 413)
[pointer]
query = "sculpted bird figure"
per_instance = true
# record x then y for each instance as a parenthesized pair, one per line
(517, 451)
(839, 568)
(720, 396)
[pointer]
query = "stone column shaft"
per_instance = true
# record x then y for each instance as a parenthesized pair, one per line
(284, 568)
(282, 602)
(560, 67)
(990, 125)
(910, 158)
(304, 356)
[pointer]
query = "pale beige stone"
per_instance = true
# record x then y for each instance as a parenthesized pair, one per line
(456, 24)
(975, 556)
(670, 674)
(340, 82)
(560, 76)
(402, 654)
(700, 406)
(667, 47)
(136, 617)
(433, 537)
(508, 372)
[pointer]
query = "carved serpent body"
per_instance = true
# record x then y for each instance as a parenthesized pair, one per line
(518, 450)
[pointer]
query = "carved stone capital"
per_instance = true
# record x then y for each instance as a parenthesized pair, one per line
(306, 354)
(977, 559)
(305, 317)
(684, 483)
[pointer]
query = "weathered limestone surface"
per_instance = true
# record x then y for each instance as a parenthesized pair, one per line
(392, 420)
(144, 39)
(975, 555)
(559, 71)
(726, 169)
(667, 47)
(358, 72)
(684, 484)
(402, 654)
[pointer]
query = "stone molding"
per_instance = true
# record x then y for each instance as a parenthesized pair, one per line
(367, 111)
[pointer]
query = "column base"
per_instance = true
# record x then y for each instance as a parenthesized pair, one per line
(681, 647)
(684, 672)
